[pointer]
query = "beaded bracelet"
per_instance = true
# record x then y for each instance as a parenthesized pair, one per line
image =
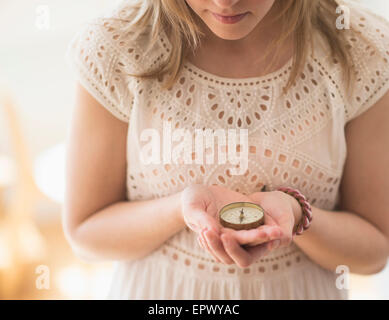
(305, 206)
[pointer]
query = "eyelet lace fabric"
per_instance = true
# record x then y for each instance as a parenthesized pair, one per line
(295, 140)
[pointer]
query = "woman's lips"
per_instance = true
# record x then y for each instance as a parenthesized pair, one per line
(229, 19)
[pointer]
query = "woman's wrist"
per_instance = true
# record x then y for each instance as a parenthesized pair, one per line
(178, 208)
(304, 211)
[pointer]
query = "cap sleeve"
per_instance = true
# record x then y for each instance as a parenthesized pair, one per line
(370, 50)
(96, 61)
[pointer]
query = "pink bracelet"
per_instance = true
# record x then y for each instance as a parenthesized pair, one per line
(305, 206)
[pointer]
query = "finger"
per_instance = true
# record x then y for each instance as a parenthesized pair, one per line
(241, 257)
(263, 249)
(286, 226)
(249, 236)
(286, 240)
(284, 235)
(274, 244)
(258, 251)
(275, 233)
(205, 245)
(287, 236)
(200, 243)
(254, 236)
(217, 247)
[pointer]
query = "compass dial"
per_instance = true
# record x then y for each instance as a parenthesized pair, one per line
(241, 215)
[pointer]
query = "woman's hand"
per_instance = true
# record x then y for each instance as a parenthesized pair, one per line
(281, 212)
(200, 208)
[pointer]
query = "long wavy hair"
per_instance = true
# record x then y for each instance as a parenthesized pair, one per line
(300, 18)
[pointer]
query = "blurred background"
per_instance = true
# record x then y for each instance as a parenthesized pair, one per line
(36, 99)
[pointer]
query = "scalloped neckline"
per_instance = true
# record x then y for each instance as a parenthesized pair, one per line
(210, 77)
(215, 79)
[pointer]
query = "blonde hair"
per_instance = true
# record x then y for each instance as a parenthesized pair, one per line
(177, 19)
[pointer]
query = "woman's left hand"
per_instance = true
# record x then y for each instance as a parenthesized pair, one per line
(281, 210)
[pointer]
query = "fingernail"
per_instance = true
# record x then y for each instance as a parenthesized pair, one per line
(276, 243)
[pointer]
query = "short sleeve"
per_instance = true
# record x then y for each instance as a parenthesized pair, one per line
(97, 63)
(369, 44)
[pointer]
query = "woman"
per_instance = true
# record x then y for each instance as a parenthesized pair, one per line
(289, 72)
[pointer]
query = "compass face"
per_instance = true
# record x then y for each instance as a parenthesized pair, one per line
(235, 216)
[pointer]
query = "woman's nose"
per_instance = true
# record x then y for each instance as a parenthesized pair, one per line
(225, 3)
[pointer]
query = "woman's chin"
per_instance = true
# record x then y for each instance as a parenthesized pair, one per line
(230, 35)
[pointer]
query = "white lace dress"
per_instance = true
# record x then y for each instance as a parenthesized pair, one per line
(295, 140)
